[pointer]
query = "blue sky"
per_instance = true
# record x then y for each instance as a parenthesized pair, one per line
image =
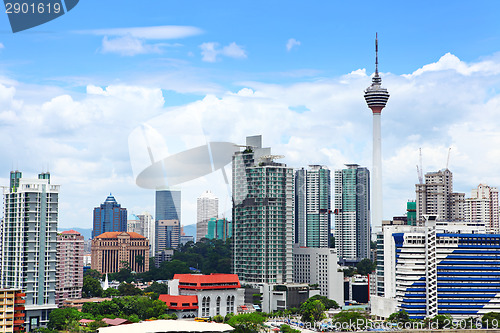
(73, 90)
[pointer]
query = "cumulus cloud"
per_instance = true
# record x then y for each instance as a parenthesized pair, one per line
(452, 62)
(156, 32)
(85, 137)
(128, 46)
(134, 40)
(210, 51)
(291, 43)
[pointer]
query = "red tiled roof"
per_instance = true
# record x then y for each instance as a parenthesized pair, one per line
(116, 321)
(114, 234)
(212, 281)
(85, 321)
(71, 232)
(192, 300)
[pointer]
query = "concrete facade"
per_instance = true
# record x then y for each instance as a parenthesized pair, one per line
(69, 266)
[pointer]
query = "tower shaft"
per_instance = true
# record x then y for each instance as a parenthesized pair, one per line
(376, 207)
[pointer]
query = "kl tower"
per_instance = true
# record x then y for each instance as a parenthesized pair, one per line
(376, 97)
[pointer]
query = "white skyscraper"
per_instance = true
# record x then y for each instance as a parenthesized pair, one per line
(148, 229)
(483, 207)
(207, 207)
(29, 244)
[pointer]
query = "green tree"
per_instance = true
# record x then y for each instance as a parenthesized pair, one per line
(348, 272)
(128, 289)
(491, 320)
(158, 288)
(328, 303)
(287, 329)
(365, 266)
(247, 322)
(93, 273)
(91, 287)
(218, 319)
(349, 317)
(110, 292)
(61, 319)
(443, 321)
(95, 325)
(312, 311)
(399, 317)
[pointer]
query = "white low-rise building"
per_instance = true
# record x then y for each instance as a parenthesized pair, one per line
(319, 266)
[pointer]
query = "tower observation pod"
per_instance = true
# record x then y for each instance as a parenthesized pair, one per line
(376, 97)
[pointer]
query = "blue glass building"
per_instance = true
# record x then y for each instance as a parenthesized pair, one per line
(110, 216)
(168, 205)
(168, 211)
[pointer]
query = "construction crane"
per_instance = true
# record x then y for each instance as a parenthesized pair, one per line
(419, 169)
(448, 159)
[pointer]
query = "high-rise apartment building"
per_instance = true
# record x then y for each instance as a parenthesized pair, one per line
(110, 216)
(29, 243)
(148, 230)
(352, 213)
(263, 215)
(168, 233)
(483, 207)
(112, 251)
(436, 197)
(69, 266)
(12, 310)
(312, 206)
(207, 208)
(221, 229)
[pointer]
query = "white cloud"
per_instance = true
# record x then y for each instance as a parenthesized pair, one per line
(210, 51)
(292, 42)
(128, 46)
(132, 41)
(2, 46)
(157, 32)
(84, 137)
(452, 62)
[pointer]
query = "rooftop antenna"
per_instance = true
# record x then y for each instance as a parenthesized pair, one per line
(376, 53)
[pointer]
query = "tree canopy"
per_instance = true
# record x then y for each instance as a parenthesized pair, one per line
(365, 267)
(247, 322)
(312, 311)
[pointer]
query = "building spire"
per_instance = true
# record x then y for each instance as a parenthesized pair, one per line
(376, 53)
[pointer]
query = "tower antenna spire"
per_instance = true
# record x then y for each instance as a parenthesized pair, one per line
(376, 53)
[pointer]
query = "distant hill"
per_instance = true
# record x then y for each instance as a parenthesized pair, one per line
(190, 230)
(86, 233)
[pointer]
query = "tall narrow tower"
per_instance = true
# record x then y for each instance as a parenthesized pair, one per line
(376, 97)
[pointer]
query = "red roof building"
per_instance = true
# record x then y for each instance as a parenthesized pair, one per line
(207, 282)
(180, 302)
(196, 295)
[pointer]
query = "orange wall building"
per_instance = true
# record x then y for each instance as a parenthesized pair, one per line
(112, 251)
(11, 310)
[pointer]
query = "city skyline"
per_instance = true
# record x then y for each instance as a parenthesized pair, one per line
(72, 91)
